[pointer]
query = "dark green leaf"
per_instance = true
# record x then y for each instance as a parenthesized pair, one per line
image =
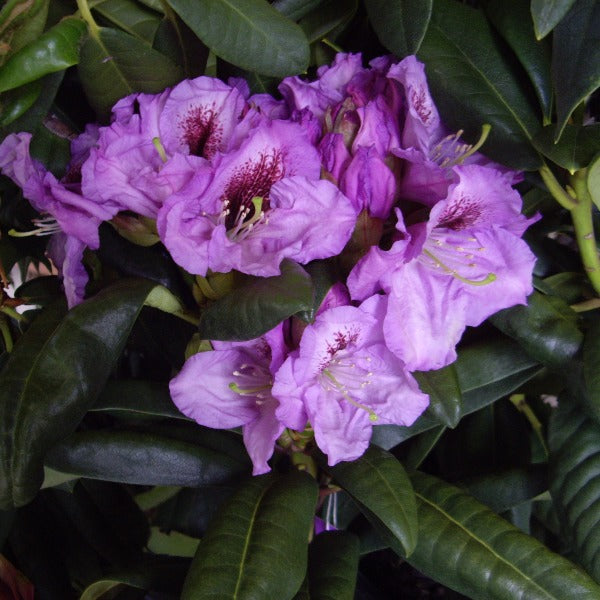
(576, 58)
(422, 445)
(21, 22)
(114, 64)
(576, 148)
(141, 458)
(508, 488)
(19, 101)
(53, 51)
(138, 397)
(295, 9)
(593, 180)
(54, 375)
(330, 15)
(53, 151)
(444, 394)
(591, 368)
(41, 290)
(256, 307)
(473, 83)
(248, 33)
(574, 442)
(465, 546)
(400, 25)
(130, 17)
(547, 14)
(546, 328)
(323, 275)
(332, 566)
(513, 20)
(257, 544)
(378, 482)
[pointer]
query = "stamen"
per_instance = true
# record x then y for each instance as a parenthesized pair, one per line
(160, 149)
(256, 391)
(242, 225)
(44, 226)
(343, 390)
(491, 277)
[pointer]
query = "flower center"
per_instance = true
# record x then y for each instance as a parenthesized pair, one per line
(450, 151)
(201, 131)
(46, 225)
(252, 380)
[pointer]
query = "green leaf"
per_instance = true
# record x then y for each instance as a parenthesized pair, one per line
(593, 180)
(130, 17)
(467, 547)
(257, 544)
(295, 9)
(114, 64)
(333, 566)
(140, 397)
(378, 482)
(256, 307)
(54, 375)
(576, 58)
(574, 442)
(248, 33)
(591, 368)
(329, 16)
(576, 148)
(513, 20)
(400, 25)
(473, 82)
(53, 51)
(444, 392)
(141, 458)
(546, 328)
(21, 22)
(19, 101)
(547, 14)
(323, 274)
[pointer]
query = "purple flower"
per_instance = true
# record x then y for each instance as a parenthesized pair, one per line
(464, 264)
(255, 206)
(231, 387)
(343, 380)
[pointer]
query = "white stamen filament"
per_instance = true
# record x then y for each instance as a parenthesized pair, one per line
(44, 226)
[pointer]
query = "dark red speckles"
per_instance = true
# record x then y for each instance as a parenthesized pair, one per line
(201, 131)
(253, 178)
(462, 213)
(420, 104)
(341, 340)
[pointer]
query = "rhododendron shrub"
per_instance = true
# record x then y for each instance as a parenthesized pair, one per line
(293, 291)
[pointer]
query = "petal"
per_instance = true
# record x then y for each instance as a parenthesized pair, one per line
(66, 252)
(260, 436)
(288, 391)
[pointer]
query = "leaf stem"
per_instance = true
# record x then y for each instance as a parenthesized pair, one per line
(6, 336)
(86, 15)
(521, 405)
(581, 214)
(557, 191)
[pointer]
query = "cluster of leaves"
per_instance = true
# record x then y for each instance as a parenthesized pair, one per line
(106, 489)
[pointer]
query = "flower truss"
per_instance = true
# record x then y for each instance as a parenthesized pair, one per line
(354, 166)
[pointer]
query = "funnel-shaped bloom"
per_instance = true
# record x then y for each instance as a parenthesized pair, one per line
(343, 380)
(467, 262)
(257, 205)
(231, 387)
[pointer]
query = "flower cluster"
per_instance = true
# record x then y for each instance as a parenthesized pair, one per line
(355, 164)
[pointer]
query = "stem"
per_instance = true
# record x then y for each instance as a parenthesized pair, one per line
(6, 336)
(12, 313)
(86, 15)
(521, 405)
(586, 305)
(331, 45)
(584, 228)
(557, 191)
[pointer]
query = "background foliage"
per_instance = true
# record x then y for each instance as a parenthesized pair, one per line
(106, 490)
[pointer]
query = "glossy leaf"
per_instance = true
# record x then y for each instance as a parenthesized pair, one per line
(400, 25)
(141, 458)
(323, 275)
(18, 102)
(130, 17)
(547, 14)
(445, 397)
(591, 368)
(332, 566)
(513, 21)
(248, 33)
(54, 375)
(378, 482)
(114, 64)
(574, 442)
(256, 307)
(574, 150)
(467, 547)
(486, 372)
(576, 58)
(295, 9)
(472, 87)
(21, 21)
(546, 328)
(329, 16)
(257, 544)
(593, 180)
(53, 51)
